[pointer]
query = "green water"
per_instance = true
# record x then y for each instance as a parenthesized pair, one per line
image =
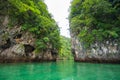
(62, 70)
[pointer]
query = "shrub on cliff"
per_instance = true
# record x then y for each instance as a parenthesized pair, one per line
(95, 20)
(33, 16)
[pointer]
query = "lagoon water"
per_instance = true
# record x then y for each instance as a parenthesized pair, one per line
(61, 70)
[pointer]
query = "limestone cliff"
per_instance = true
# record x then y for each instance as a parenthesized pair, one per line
(107, 51)
(18, 45)
(95, 30)
(27, 31)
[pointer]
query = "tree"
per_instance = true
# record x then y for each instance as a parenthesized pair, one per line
(33, 16)
(91, 21)
(65, 50)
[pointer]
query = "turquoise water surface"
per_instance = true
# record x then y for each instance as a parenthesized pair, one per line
(62, 70)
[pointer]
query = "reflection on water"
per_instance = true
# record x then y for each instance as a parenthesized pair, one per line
(62, 70)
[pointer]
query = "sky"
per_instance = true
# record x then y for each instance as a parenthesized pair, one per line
(59, 10)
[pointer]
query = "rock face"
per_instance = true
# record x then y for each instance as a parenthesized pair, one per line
(18, 49)
(106, 51)
(17, 45)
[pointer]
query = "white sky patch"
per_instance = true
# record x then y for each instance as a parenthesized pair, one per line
(59, 10)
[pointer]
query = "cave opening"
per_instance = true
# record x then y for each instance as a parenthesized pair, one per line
(28, 49)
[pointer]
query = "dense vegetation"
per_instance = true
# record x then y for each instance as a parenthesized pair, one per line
(33, 16)
(95, 20)
(65, 51)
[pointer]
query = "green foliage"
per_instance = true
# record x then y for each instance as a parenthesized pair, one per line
(65, 51)
(95, 20)
(33, 16)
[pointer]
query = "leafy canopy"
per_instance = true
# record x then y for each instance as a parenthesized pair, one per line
(95, 20)
(33, 16)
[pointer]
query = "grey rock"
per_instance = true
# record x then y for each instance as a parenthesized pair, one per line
(18, 49)
(106, 50)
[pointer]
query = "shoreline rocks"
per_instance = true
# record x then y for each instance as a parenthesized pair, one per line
(16, 60)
